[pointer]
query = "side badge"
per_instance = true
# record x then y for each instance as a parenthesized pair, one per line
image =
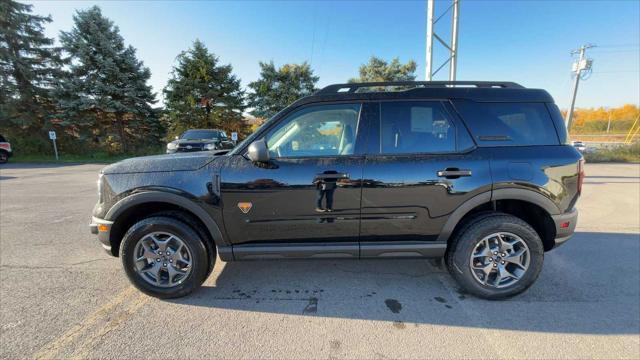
(245, 207)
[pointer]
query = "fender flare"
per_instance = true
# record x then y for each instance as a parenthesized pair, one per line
(171, 198)
(462, 210)
(527, 195)
(500, 194)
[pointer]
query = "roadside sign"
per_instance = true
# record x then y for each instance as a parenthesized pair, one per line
(234, 136)
(52, 137)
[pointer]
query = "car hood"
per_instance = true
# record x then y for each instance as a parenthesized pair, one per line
(169, 162)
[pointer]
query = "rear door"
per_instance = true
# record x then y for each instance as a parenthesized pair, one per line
(310, 190)
(421, 164)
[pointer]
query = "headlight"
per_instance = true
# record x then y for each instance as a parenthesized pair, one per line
(172, 146)
(210, 147)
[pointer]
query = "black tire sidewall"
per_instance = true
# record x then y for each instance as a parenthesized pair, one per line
(190, 238)
(486, 226)
(4, 157)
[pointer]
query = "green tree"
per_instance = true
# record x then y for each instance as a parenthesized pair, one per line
(202, 93)
(29, 66)
(105, 96)
(277, 88)
(378, 69)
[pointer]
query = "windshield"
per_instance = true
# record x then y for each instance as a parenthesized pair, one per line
(203, 134)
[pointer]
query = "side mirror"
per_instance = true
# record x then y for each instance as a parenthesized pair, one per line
(258, 151)
(177, 137)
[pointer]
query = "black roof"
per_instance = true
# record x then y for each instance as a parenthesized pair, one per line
(486, 91)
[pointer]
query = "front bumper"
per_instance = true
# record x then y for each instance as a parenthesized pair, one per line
(102, 228)
(565, 226)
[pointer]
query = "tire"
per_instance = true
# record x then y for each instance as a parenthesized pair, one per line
(4, 157)
(175, 233)
(482, 230)
(187, 219)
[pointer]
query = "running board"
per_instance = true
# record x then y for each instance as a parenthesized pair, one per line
(349, 250)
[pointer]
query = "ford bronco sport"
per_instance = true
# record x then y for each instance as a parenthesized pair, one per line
(480, 173)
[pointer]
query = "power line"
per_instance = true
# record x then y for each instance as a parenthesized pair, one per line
(620, 45)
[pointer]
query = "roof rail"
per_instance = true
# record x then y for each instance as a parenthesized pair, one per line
(354, 87)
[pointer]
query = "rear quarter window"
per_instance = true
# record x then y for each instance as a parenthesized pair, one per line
(508, 124)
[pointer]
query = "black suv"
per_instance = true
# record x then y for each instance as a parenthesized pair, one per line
(480, 173)
(200, 140)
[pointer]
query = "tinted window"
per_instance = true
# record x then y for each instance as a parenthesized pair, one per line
(415, 127)
(325, 130)
(494, 123)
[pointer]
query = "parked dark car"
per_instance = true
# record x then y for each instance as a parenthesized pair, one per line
(480, 173)
(200, 140)
(579, 145)
(5, 150)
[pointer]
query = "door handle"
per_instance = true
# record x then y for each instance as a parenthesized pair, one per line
(453, 173)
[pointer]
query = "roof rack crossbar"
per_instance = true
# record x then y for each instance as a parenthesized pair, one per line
(353, 87)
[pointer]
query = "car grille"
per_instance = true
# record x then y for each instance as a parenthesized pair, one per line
(190, 147)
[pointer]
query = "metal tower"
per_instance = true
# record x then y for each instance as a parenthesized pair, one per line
(452, 47)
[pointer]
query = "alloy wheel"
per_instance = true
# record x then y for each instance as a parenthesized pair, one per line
(162, 259)
(500, 260)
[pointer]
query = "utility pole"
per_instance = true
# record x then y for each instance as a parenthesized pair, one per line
(452, 47)
(582, 64)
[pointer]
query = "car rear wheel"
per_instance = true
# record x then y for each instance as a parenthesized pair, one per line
(164, 257)
(4, 157)
(496, 256)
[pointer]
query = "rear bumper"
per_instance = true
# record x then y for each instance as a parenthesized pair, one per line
(102, 228)
(565, 226)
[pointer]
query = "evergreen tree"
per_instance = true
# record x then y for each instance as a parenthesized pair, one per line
(29, 66)
(202, 93)
(277, 88)
(105, 96)
(380, 70)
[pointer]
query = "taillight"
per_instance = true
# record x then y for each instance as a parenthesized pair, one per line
(580, 175)
(5, 146)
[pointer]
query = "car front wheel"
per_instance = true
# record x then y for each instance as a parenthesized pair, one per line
(164, 257)
(496, 256)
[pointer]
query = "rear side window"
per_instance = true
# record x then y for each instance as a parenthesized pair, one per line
(508, 124)
(415, 127)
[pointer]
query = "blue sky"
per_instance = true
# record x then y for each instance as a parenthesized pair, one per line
(523, 41)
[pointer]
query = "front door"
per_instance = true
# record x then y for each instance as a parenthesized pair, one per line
(421, 165)
(309, 192)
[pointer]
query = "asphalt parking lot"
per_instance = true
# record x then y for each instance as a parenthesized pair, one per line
(62, 296)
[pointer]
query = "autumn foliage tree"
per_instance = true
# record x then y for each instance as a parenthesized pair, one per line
(596, 120)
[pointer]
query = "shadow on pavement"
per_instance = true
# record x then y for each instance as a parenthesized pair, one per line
(43, 165)
(590, 285)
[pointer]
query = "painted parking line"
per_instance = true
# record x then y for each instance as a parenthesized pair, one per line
(81, 338)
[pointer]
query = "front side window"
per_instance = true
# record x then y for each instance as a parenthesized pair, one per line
(415, 127)
(326, 130)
